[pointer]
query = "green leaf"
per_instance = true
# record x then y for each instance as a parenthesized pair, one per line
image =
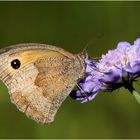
(136, 95)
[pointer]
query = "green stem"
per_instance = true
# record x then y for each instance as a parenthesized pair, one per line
(136, 95)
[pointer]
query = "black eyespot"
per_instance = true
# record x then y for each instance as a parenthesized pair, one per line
(15, 64)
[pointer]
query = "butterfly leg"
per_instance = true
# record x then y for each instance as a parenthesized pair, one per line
(82, 92)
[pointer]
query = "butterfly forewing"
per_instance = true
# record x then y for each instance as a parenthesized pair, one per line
(45, 78)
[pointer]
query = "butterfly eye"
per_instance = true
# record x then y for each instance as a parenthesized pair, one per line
(15, 64)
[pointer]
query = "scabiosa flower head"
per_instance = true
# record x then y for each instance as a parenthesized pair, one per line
(118, 68)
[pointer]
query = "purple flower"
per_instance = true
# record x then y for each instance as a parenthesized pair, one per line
(118, 68)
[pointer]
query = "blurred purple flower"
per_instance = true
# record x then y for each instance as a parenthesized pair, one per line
(118, 68)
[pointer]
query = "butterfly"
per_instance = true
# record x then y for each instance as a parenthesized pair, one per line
(39, 77)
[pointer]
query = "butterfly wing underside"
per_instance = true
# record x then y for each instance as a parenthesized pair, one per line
(40, 87)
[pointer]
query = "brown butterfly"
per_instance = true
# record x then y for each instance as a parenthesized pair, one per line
(39, 77)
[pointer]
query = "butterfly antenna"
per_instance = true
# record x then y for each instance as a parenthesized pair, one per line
(93, 41)
(85, 53)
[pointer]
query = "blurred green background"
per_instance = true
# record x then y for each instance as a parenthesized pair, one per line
(73, 25)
